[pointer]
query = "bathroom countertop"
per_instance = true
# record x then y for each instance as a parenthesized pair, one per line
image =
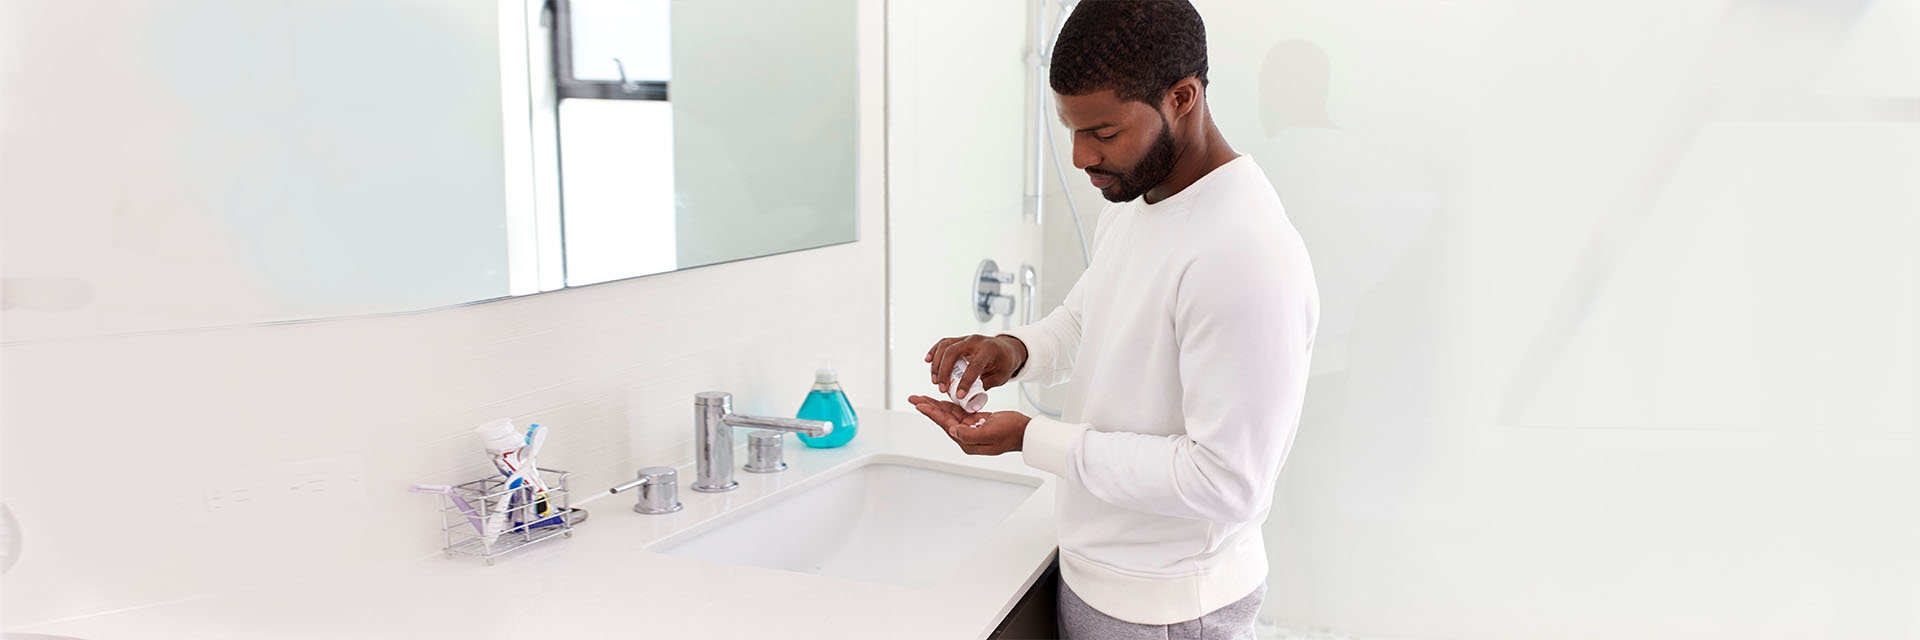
(603, 583)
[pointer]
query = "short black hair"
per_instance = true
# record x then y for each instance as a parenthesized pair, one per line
(1137, 48)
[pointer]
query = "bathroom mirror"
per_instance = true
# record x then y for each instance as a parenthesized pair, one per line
(261, 162)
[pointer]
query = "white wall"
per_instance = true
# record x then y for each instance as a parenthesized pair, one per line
(1618, 336)
(112, 445)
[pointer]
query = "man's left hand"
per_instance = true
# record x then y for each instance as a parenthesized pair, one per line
(980, 434)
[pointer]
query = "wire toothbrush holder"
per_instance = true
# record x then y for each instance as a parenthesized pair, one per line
(486, 519)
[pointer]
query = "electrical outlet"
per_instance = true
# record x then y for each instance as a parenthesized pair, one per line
(298, 484)
(223, 499)
(324, 480)
(241, 489)
(311, 485)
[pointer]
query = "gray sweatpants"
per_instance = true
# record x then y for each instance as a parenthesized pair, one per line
(1232, 622)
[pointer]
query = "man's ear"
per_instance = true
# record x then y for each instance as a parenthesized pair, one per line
(1182, 97)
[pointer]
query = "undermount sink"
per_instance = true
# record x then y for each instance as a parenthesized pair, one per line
(889, 519)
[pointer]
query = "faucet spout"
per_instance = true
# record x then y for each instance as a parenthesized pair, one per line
(814, 428)
(713, 423)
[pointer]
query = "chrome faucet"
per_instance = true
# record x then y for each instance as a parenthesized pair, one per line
(713, 423)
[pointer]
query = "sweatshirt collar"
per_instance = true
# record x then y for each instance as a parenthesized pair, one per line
(1179, 200)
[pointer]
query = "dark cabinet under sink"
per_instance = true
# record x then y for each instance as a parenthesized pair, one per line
(1036, 615)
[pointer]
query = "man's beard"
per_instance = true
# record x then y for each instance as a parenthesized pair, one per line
(1149, 173)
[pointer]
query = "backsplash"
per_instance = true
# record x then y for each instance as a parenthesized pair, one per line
(148, 468)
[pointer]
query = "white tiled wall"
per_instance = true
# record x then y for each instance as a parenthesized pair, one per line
(120, 451)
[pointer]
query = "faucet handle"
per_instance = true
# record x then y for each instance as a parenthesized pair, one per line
(659, 490)
(764, 452)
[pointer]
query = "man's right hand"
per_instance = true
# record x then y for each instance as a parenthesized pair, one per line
(993, 360)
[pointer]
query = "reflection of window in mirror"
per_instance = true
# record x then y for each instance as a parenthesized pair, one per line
(612, 130)
(646, 136)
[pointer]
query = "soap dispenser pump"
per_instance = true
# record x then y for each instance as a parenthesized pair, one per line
(828, 402)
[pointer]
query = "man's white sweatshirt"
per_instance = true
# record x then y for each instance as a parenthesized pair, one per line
(1186, 343)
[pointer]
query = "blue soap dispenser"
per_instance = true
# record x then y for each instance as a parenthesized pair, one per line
(829, 403)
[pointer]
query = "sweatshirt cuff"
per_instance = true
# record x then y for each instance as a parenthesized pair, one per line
(1049, 444)
(1038, 354)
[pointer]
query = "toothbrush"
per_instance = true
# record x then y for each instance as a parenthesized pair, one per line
(473, 515)
(503, 445)
(536, 438)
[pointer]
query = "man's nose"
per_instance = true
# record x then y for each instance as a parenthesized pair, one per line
(1084, 157)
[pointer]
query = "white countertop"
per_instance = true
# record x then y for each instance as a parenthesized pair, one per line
(602, 583)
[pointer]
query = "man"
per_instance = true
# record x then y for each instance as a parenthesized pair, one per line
(1186, 341)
